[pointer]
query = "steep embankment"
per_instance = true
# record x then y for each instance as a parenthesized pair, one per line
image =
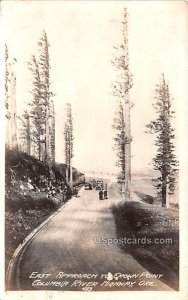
(150, 233)
(33, 192)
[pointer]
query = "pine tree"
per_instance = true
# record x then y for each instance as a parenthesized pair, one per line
(119, 147)
(121, 90)
(6, 82)
(7, 106)
(67, 150)
(13, 108)
(165, 160)
(44, 67)
(68, 137)
(37, 108)
(10, 102)
(25, 133)
(42, 107)
(52, 133)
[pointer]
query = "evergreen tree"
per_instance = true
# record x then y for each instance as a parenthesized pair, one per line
(10, 101)
(44, 67)
(119, 147)
(165, 160)
(68, 137)
(42, 107)
(25, 133)
(37, 108)
(13, 107)
(67, 150)
(7, 108)
(52, 133)
(6, 83)
(121, 90)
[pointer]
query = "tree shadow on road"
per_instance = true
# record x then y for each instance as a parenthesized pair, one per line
(146, 198)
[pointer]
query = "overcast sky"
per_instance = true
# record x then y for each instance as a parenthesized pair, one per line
(82, 35)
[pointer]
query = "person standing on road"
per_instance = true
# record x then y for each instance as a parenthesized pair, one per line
(76, 192)
(105, 194)
(101, 195)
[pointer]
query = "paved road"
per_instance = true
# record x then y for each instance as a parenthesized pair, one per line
(67, 244)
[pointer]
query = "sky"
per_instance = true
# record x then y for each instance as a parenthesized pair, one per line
(82, 36)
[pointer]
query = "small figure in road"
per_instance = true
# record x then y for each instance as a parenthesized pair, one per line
(65, 192)
(76, 192)
(105, 194)
(101, 195)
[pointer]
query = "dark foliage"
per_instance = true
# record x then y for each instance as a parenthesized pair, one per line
(165, 160)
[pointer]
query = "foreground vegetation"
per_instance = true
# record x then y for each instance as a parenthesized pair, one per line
(33, 192)
(153, 233)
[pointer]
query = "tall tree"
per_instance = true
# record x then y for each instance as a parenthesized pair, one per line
(121, 90)
(37, 108)
(119, 147)
(67, 150)
(10, 102)
(68, 137)
(42, 107)
(52, 133)
(7, 106)
(25, 133)
(165, 160)
(44, 65)
(13, 108)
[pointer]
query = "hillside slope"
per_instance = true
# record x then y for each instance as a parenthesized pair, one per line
(33, 191)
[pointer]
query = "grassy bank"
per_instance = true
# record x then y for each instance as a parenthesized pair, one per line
(153, 235)
(23, 213)
(33, 192)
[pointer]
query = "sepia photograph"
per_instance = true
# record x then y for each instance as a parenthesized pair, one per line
(93, 94)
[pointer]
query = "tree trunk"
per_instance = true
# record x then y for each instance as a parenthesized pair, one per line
(28, 136)
(127, 149)
(127, 116)
(42, 147)
(47, 135)
(7, 104)
(7, 137)
(13, 133)
(39, 148)
(67, 173)
(70, 173)
(164, 190)
(53, 135)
